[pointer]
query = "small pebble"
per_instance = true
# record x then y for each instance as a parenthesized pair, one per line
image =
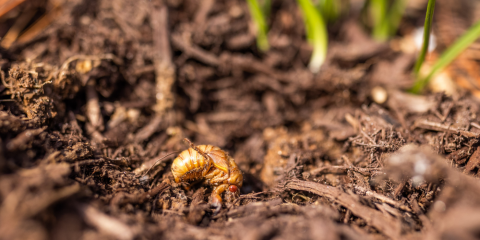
(379, 95)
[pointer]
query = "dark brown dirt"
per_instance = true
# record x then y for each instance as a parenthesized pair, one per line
(93, 99)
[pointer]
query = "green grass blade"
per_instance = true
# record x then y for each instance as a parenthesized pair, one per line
(426, 36)
(395, 15)
(449, 55)
(378, 12)
(316, 33)
(261, 24)
(266, 7)
(330, 9)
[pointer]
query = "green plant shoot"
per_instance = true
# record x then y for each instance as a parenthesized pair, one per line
(472, 34)
(395, 15)
(378, 12)
(426, 36)
(260, 20)
(266, 7)
(330, 9)
(316, 34)
(385, 18)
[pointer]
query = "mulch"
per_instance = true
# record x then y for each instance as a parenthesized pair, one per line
(95, 105)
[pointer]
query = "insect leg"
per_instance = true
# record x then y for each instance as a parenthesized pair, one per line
(188, 186)
(219, 178)
(213, 174)
(195, 148)
(207, 167)
(216, 199)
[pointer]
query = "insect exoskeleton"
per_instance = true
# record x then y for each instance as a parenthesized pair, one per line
(210, 164)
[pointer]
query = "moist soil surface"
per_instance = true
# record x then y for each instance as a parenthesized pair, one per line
(97, 97)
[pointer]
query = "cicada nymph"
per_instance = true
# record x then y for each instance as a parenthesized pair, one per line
(209, 164)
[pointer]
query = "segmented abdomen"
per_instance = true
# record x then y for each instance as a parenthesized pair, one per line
(189, 164)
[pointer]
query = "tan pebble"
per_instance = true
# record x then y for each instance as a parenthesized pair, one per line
(379, 94)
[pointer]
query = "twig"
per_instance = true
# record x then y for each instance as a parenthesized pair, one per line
(202, 12)
(382, 198)
(105, 224)
(124, 198)
(7, 5)
(444, 116)
(247, 196)
(369, 145)
(425, 124)
(21, 141)
(149, 129)
(344, 169)
(399, 188)
(371, 216)
(164, 68)
(427, 225)
(368, 137)
(171, 211)
(94, 115)
(42, 23)
(475, 125)
(194, 51)
(17, 27)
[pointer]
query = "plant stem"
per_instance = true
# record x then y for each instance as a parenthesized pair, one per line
(426, 36)
(260, 21)
(396, 13)
(266, 7)
(330, 9)
(378, 11)
(472, 34)
(316, 34)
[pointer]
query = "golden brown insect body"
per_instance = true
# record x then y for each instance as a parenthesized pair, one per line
(211, 164)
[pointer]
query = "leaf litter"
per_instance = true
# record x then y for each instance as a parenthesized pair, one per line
(91, 106)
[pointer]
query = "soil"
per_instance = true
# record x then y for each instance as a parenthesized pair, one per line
(97, 97)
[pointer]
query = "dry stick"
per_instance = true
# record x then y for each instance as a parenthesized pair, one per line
(124, 198)
(23, 139)
(18, 26)
(384, 199)
(250, 64)
(475, 125)
(344, 169)
(348, 214)
(2, 158)
(371, 216)
(105, 224)
(7, 5)
(149, 129)
(444, 116)
(203, 11)
(427, 224)
(164, 68)
(48, 199)
(425, 124)
(93, 113)
(399, 188)
(368, 137)
(194, 51)
(247, 64)
(41, 24)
